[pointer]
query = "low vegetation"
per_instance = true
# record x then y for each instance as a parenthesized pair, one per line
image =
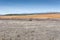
(30, 16)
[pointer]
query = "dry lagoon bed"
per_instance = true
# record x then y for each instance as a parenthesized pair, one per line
(30, 30)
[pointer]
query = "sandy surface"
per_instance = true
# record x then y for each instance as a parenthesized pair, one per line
(29, 30)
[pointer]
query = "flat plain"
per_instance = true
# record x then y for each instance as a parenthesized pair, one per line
(47, 29)
(33, 16)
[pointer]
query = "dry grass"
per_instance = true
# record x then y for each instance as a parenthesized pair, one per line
(32, 16)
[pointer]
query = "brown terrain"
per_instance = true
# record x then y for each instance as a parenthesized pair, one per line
(36, 16)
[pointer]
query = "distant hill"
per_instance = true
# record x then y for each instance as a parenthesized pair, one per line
(31, 14)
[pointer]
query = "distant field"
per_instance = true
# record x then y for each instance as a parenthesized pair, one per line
(37, 16)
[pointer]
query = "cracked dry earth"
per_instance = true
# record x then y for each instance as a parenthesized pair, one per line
(29, 30)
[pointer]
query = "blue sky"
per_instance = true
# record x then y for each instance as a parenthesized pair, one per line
(29, 6)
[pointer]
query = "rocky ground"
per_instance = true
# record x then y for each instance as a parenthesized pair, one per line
(30, 30)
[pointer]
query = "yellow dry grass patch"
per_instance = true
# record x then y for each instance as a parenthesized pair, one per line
(32, 16)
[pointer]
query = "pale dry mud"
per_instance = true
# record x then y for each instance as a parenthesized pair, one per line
(29, 30)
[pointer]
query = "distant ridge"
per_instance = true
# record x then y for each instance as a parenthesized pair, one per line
(31, 14)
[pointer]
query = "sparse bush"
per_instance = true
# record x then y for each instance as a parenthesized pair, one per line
(30, 19)
(18, 35)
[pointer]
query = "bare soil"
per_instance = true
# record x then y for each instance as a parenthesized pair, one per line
(30, 30)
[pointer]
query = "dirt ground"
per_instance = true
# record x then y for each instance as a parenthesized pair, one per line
(30, 30)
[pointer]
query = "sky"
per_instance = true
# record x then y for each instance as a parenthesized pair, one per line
(29, 6)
